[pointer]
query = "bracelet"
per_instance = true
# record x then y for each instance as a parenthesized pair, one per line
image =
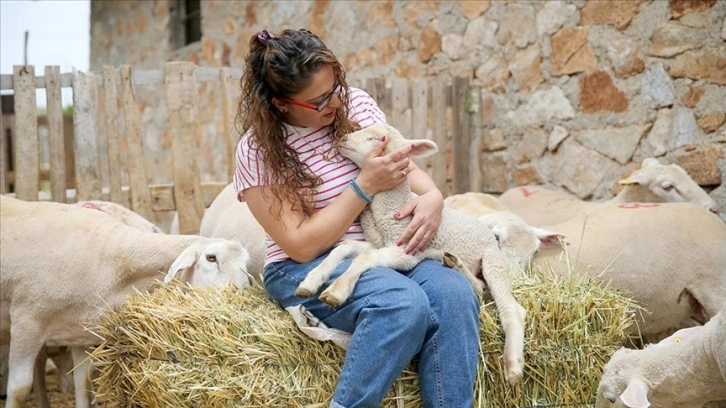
(359, 192)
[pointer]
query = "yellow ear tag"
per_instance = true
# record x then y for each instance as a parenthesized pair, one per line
(627, 180)
(677, 340)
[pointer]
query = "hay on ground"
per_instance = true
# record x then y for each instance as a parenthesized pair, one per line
(186, 347)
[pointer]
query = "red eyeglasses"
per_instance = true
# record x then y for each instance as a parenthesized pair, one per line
(321, 105)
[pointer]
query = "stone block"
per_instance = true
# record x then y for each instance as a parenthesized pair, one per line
(708, 64)
(578, 168)
(525, 68)
(617, 143)
(598, 93)
(494, 172)
(681, 7)
(672, 129)
(557, 135)
(672, 38)
(571, 52)
(493, 140)
(711, 121)
(517, 26)
(694, 94)
(527, 174)
(429, 43)
(543, 106)
(616, 13)
(474, 8)
(625, 58)
(553, 15)
(658, 86)
(493, 73)
(701, 164)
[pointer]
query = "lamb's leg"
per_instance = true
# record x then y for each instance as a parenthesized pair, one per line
(511, 314)
(40, 389)
(452, 261)
(25, 344)
(322, 272)
(393, 257)
(81, 384)
(64, 362)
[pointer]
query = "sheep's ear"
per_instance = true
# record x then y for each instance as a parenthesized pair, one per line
(649, 162)
(548, 238)
(186, 260)
(423, 148)
(636, 394)
(637, 177)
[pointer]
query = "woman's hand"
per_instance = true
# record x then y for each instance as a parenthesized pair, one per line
(384, 172)
(426, 210)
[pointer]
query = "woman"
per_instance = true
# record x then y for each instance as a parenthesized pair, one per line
(295, 106)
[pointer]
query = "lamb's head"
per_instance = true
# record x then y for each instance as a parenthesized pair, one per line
(670, 183)
(623, 383)
(212, 262)
(518, 241)
(358, 145)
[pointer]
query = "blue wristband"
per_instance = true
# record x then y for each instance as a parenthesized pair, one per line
(359, 192)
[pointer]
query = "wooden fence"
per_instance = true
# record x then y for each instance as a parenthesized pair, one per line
(444, 113)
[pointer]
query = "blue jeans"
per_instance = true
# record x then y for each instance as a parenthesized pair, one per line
(430, 313)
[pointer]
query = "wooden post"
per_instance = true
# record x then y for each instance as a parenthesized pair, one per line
(472, 108)
(419, 117)
(400, 113)
(3, 154)
(227, 121)
(461, 138)
(27, 174)
(88, 180)
(441, 159)
(181, 97)
(113, 134)
(138, 179)
(56, 139)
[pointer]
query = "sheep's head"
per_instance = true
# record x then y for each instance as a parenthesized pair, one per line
(212, 262)
(358, 145)
(619, 387)
(670, 183)
(518, 241)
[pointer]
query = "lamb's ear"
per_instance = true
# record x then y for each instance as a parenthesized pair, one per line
(186, 260)
(636, 394)
(423, 148)
(649, 162)
(548, 238)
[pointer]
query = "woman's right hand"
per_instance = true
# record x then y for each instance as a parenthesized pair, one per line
(384, 172)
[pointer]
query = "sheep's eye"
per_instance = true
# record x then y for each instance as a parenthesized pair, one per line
(668, 187)
(212, 258)
(611, 400)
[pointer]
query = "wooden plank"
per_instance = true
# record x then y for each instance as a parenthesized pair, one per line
(475, 132)
(181, 98)
(400, 113)
(4, 165)
(461, 138)
(26, 134)
(138, 179)
(438, 122)
(378, 91)
(162, 195)
(113, 135)
(419, 118)
(227, 117)
(56, 138)
(88, 178)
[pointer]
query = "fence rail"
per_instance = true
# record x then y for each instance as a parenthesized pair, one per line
(446, 113)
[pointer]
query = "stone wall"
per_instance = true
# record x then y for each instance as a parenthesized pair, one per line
(574, 93)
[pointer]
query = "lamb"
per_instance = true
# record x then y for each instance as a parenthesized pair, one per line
(467, 239)
(652, 183)
(81, 262)
(669, 257)
(685, 370)
(518, 240)
(232, 219)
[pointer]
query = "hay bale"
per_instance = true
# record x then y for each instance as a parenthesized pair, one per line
(189, 347)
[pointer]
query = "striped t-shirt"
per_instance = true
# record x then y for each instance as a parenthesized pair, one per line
(315, 149)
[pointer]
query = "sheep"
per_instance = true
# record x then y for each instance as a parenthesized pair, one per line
(121, 213)
(467, 239)
(652, 183)
(81, 262)
(518, 240)
(685, 370)
(231, 219)
(669, 257)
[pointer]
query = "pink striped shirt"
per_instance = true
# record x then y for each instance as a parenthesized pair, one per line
(315, 148)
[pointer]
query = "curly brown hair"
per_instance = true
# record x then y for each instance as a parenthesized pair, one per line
(279, 66)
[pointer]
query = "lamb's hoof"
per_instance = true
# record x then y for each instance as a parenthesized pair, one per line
(303, 292)
(331, 299)
(513, 375)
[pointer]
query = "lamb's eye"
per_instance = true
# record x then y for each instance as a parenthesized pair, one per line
(668, 187)
(212, 258)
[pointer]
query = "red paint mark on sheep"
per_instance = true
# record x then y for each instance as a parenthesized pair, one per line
(631, 206)
(526, 192)
(91, 206)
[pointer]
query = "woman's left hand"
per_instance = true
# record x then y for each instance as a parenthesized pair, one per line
(426, 210)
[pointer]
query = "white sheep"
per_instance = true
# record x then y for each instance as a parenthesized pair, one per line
(80, 262)
(685, 370)
(467, 239)
(518, 240)
(229, 218)
(652, 183)
(669, 257)
(121, 213)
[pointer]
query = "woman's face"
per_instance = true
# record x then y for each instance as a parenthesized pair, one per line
(300, 109)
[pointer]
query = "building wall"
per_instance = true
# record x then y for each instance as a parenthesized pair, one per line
(574, 93)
